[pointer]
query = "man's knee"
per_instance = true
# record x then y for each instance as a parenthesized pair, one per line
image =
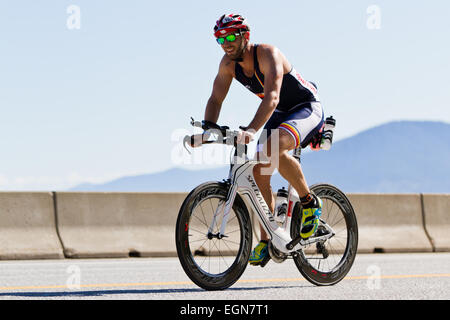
(286, 141)
(263, 172)
(280, 141)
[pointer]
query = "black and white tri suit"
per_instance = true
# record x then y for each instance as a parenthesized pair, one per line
(299, 111)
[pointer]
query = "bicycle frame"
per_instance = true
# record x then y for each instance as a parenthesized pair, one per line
(242, 182)
(241, 188)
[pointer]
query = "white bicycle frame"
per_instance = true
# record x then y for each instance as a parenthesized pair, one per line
(243, 183)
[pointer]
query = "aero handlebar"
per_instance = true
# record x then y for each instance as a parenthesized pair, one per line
(224, 135)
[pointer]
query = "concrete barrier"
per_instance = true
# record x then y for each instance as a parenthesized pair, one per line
(437, 219)
(96, 224)
(390, 223)
(143, 224)
(27, 226)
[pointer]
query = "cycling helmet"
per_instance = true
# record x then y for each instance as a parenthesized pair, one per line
(230, 22)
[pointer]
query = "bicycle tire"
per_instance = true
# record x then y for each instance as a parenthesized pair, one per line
(314, 274)
(186, 250)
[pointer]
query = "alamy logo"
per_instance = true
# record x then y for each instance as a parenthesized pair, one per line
(374, 17)
(74, 20)
(74, 279)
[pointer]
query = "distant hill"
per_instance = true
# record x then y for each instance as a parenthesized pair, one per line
(172, 180)
(397, 157)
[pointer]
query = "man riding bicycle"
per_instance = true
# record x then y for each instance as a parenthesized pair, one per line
(289, 105)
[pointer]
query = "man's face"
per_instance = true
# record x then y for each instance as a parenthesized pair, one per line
(234, 49)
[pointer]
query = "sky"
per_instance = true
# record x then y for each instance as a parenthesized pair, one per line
(92, 90)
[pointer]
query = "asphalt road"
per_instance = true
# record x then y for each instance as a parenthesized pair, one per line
(423, 276)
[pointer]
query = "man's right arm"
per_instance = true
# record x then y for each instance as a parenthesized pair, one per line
(221, 86)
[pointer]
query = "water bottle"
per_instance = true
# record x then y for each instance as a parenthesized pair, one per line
(281, 205)
(327, 134)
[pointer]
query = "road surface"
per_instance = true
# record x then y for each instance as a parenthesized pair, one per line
(422, 276)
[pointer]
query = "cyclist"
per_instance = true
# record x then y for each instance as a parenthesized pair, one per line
(289, 104)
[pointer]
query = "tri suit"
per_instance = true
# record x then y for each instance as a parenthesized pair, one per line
(298, 112)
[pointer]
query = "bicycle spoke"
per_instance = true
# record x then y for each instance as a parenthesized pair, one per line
(195, 230)
(225, 242)
(337, 221)
(337, 240)
(203, 214)
(202, 243)
(192, 241)
(333, 216)
(203, 222)
(221, 256)
(341, 231)
(230, 232)
(230, 220)
(238, 243)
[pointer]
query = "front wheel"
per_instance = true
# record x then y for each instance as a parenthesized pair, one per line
(213, 261)
(327, 262)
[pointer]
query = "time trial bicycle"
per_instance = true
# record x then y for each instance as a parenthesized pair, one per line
(214, 225)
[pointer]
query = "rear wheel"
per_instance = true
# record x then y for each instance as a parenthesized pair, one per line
(327, 262)
(213, 261)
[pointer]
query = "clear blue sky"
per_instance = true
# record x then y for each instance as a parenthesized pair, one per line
(105, 100)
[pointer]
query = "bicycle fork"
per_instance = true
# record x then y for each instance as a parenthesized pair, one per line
(223, 209)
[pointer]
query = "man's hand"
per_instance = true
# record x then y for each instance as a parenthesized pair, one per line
(246, 135)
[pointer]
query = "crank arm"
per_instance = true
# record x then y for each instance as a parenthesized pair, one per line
(309, 241)
(305, 242)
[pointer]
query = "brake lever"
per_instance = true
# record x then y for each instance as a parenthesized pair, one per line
(187, 139)
(196, 123)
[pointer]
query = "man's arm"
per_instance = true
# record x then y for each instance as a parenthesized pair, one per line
(221, 86)
(271, 64)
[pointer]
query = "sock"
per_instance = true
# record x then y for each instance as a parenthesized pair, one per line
(308, 201)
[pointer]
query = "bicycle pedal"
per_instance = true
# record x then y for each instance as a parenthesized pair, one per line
(265, 261)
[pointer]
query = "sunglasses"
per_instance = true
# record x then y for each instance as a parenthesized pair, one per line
(230, 38)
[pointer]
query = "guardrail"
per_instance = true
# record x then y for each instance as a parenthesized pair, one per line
(57, 225)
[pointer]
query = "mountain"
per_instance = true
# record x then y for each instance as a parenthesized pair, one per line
(396, 157)
(172, 180)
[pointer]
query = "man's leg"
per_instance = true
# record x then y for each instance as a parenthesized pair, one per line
(262, 174)
(262, 178)
(289, 168)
